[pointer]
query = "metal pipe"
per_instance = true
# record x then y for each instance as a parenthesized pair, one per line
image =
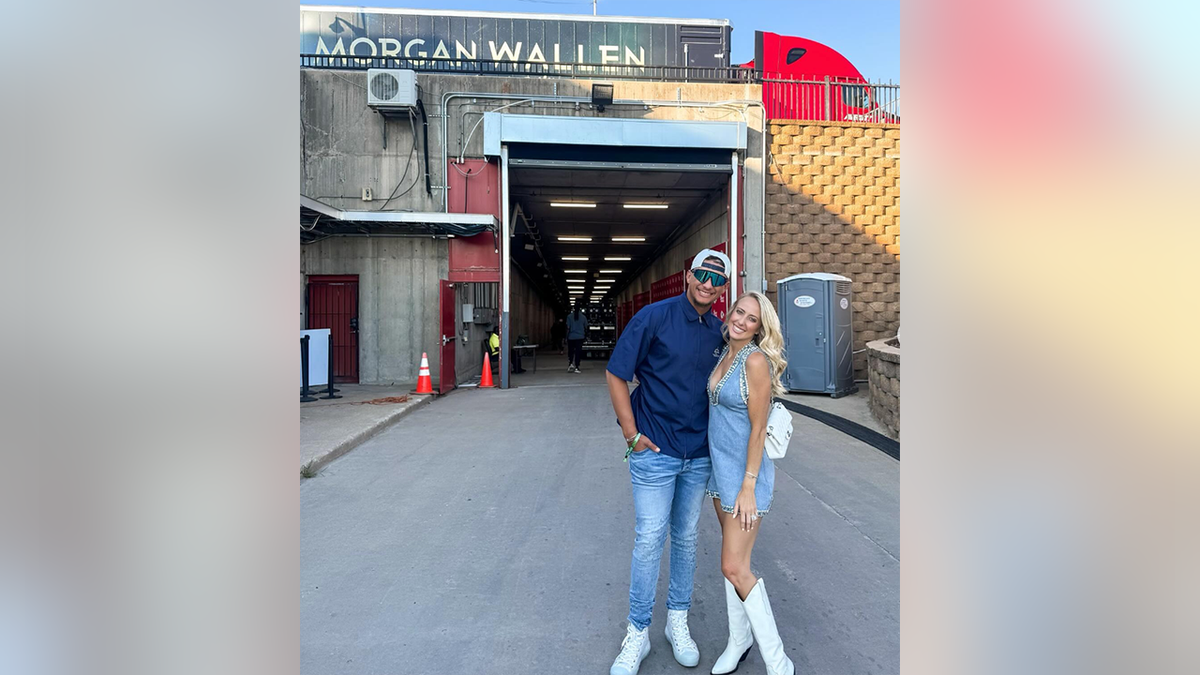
(505, 253)
(733, 228)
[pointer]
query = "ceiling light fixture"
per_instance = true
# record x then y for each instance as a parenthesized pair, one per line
(645, 206)
(616, 258)
(574, 238)
(575, 271)
(574, 205)
(576, 257)
(625, 239)
(610, 271)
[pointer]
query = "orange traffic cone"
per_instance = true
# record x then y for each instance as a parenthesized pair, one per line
(424, 384)
(485, 380)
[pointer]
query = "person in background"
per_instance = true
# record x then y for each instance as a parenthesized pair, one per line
(492, 345)
(577, 325)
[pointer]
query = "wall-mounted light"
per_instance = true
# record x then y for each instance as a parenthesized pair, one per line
(602, 95)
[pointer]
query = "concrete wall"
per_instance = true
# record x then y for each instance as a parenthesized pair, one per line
(342, 139)
(398, 312)
(833, 205)
(529, 314)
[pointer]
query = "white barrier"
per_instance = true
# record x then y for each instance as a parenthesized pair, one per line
(318, 357)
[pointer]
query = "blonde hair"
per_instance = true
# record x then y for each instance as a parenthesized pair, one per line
(769, 336)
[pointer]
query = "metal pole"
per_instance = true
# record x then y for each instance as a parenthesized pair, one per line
(733, 232)
(329, 390)
(827, 100)
(505, 263)
(304, 393)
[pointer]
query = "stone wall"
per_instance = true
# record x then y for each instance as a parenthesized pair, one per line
(833, 205)
(883, 368)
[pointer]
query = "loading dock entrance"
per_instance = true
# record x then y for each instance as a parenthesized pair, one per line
(635, 188)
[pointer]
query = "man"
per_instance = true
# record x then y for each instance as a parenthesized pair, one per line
(577, 324)
(671, 346)
(492, 346)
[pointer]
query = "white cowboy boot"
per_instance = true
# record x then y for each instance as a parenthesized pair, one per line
(740, 636)
(682, 644)
(762, 623)
(634, 648)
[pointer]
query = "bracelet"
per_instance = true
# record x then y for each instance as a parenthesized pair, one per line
(629, 440)
(629, 449)
(752, 475)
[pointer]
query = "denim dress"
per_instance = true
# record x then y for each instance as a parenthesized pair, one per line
(729, 434)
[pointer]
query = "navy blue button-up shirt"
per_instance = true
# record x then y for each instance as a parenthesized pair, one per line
(672, 350)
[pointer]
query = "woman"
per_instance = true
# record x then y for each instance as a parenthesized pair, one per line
(739, 398)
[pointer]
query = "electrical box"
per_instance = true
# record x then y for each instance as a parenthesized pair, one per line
(484, 315)
(468, 313)
(817, 321)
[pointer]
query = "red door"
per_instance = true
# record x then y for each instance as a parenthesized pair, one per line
(448, 379)
(333, 304)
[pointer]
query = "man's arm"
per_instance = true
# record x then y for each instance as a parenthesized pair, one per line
(618, 391)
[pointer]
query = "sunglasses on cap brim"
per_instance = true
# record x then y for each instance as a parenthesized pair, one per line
(703, 275)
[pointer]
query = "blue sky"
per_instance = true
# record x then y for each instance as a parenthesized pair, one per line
(865, 31)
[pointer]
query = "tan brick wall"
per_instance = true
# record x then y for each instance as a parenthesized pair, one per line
(883, 367)
(833, 205)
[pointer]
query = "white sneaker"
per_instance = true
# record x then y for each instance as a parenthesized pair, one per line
(686, 652)
(570, 368)
(634, 649)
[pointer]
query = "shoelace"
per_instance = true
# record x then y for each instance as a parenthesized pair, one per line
(679, 629)
(631, 648)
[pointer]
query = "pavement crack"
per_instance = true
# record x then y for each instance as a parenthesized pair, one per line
(839, 514)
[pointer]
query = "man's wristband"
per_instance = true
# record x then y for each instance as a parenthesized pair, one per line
(631, 444)
(630, 440)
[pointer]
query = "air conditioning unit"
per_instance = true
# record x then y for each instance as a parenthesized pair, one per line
(391, 89)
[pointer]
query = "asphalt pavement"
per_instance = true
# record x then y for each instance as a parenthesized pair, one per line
(490, 532)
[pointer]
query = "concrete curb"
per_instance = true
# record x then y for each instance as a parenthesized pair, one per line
(363, 435)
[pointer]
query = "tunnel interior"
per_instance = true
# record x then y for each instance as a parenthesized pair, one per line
(591, 223)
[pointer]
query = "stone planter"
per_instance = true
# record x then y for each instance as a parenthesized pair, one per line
(883, 374)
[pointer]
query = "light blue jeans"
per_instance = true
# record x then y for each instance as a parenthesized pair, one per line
(667, 493)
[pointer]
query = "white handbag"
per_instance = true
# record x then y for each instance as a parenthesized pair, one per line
(779, 431)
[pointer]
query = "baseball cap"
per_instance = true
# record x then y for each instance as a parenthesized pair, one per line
(709, 253)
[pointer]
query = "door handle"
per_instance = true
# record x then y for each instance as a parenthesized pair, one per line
(446, 340)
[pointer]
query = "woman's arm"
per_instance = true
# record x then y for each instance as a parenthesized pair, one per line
(758, 381)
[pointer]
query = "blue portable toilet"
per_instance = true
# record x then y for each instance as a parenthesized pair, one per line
(817, 322)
